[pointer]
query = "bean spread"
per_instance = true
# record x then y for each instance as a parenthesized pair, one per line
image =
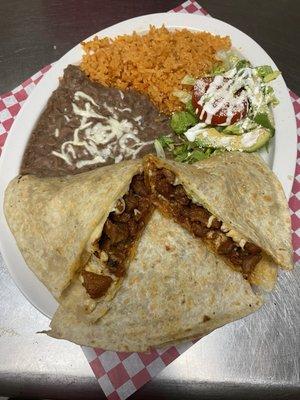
(201, 223)
(121, 231)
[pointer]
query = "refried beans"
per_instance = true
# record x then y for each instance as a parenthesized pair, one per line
(86, 125)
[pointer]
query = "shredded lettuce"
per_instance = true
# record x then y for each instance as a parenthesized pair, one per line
(190, 108)
(242, 64)
(217, 70)
(159, 149)
(263, 70)
(165, 141)
(270, 77)
(266, 73)
(270, 97)
(191, 152)
(263, 120)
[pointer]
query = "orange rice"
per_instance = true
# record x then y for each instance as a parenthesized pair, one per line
(154, 63)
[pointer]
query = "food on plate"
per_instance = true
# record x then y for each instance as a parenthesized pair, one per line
(175, 290)
(230, 109)
(153, 63)
(86, 125)
(147, 251)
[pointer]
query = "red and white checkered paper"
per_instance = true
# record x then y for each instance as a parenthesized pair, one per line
(121, 374)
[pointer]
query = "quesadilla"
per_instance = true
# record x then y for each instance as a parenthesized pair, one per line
(175, 289)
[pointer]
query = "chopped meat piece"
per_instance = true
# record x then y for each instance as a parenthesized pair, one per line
(116, 257)
(226, 247)
(104, 242)
(235, 257)
(252, 248)
(169, 175)
(199, 229)
(216, 224)
(138, 185)
(198, 213)
(250, 262)
(131, 201)
(180, 195)
(133, 227)
(115, 267)
(124, 217)
(96, 285)
(164, 188)
(116, 232)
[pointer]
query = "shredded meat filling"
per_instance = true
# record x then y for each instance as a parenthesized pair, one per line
(200, 222)
(122, 229)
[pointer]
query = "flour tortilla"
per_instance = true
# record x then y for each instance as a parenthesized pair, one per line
(241, 191)
(175, 289)
(56, 220)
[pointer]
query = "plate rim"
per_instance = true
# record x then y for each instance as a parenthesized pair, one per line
(284, 161)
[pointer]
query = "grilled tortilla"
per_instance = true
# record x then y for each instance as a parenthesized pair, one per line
(56, 221)
(175, 289)
(241, 206)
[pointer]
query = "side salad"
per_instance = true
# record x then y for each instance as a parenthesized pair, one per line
(229, 110)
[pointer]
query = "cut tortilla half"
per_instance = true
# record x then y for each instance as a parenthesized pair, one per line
(234, 204)
(57, 222)
(97, 282)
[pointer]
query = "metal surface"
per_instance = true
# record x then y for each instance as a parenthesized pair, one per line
(257, 357)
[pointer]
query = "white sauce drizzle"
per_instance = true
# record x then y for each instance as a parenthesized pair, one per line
(118, 136)
(192, 133)
(221, 94)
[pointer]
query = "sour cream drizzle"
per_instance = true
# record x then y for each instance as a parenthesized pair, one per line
(109, 137)
(221, 93)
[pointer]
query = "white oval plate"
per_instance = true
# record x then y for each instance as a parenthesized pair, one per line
(281, 158)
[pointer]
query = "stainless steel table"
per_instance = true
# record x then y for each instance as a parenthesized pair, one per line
(257, 357)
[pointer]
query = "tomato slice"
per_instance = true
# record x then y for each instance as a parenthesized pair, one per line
(223, 107)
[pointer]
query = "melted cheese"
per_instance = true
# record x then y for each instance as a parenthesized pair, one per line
(89, 305)
(235, 236)
(210, 221)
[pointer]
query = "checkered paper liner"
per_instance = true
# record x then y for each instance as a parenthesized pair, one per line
(121, 374)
